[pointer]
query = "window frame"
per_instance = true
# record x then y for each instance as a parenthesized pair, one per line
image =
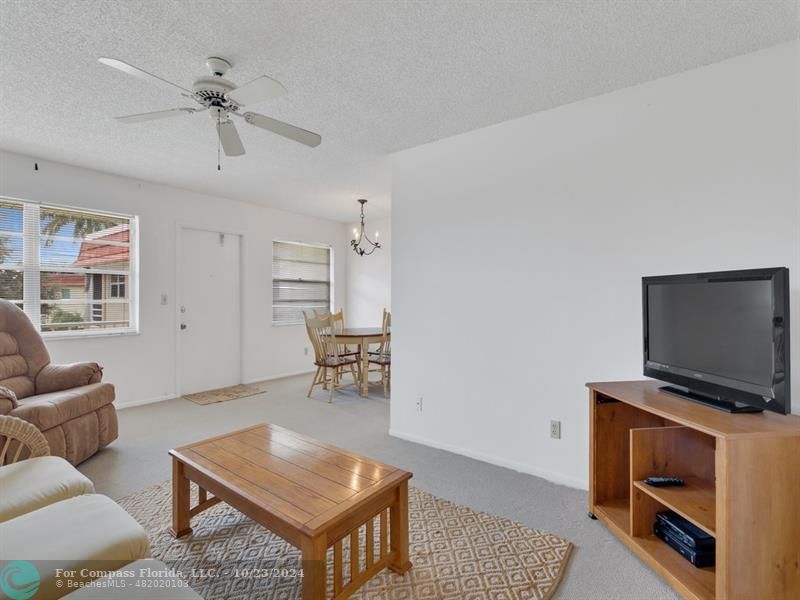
(33, 266)
(118, 283)
(331, 286)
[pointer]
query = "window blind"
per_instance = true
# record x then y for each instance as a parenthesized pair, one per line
(70, 270)
(301, 281)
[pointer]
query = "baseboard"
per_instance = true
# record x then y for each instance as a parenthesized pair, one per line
(552, 476)
(283, 376)
(132, 403)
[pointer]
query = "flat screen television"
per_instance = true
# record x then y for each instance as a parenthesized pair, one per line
(721, 338)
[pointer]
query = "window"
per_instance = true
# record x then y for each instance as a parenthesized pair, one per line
(301, 281)
(117, 289)
(70, 270)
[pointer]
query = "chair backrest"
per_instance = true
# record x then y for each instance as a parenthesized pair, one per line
(338, 317)
(23, 435)
(386, 326)
(322, 335)
(22, 351)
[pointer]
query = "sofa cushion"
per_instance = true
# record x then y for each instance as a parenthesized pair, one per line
(154, 579)
(36, 482)
(88, 534)
(48, 410)
(14, 373)
(19, 336)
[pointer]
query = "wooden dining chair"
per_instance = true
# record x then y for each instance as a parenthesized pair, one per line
(338, 324)
(322, 334)
(384, 348)
(383, 356)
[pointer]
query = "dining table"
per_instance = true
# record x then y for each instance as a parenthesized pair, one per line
(363, 337)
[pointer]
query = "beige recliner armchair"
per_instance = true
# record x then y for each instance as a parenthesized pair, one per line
(68, 403)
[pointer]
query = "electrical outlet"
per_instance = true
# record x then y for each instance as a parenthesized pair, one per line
(164, 299)
(419, 404)
(555, 430)
(305, 350)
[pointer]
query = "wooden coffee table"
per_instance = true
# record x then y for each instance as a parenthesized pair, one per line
(311, 494)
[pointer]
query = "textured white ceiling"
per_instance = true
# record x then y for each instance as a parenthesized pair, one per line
(371, 77)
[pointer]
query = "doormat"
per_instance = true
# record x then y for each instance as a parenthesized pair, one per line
(232, 392)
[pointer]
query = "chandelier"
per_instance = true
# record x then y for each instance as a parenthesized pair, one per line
(362, 236)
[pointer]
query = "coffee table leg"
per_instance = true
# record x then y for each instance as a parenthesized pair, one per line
(398, 529)
(315, 567)
(180, 501)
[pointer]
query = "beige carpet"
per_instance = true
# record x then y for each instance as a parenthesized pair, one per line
(458, 554)
(227, 393)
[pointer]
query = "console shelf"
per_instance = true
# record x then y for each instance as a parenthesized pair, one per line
(741, 472)
(696, 501)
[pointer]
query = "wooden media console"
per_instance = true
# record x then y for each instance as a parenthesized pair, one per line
(742, 474)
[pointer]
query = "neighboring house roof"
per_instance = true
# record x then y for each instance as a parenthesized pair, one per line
(94, 253)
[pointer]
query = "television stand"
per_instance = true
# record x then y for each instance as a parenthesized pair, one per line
(729, 406)
(742, 475)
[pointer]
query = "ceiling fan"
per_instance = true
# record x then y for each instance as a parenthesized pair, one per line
(223, 100)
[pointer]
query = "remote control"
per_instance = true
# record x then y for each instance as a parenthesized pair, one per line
(664, 481)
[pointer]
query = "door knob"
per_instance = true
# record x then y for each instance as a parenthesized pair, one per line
(183, 326)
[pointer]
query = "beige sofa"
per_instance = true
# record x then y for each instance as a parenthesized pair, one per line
(51, 517)
(68, 403)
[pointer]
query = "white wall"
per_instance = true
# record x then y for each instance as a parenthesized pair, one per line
(143, 366)
(519, 248)
(369, 278)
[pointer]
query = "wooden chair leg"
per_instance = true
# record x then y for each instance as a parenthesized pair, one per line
(313, 383)
(385, 380)
(332, 385)
(356, 378)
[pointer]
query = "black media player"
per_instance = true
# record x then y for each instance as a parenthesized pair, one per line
(699, 558)
(684, 531)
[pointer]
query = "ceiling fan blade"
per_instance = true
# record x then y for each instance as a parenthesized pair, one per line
(229, 138)
(159, 114)
(137, 72)
(260, 89)
(309, 138)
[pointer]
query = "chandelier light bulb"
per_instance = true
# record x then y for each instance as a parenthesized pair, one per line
(360, 236)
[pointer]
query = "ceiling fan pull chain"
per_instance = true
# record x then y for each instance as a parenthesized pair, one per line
(219, 143)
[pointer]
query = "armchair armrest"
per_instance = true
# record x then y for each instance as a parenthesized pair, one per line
(8, 400)
(55, 378)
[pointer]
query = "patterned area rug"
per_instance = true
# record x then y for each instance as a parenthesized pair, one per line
(227, 393)
(458, 554)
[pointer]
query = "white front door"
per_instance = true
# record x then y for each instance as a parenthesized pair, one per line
(209, 310)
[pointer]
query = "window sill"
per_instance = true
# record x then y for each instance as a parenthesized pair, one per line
(287, 324)
(72, 335)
